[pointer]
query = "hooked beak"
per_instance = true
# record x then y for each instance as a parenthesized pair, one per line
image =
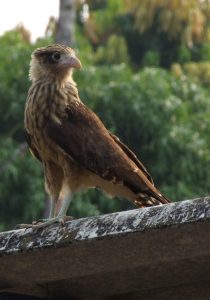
(74, 62)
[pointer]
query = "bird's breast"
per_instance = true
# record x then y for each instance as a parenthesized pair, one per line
(40, 108)
(46, 103)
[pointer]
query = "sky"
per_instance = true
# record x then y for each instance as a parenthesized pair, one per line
(33, 14)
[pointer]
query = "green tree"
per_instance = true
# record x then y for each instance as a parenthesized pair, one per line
(21, 184)
(168, 30)
(186, 21)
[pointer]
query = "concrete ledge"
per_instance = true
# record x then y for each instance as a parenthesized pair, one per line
(161, 252)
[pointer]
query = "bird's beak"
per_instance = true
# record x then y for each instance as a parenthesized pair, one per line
(74, 62)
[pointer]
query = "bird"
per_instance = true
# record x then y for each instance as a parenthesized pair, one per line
(75, 148)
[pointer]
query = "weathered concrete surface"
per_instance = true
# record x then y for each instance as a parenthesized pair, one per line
(154, 253)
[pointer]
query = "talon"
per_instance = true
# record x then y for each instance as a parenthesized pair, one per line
(68, 218)
(48, 223)
(65, 219)
(35, 222)
(40, 221)
(62, 222)
(23, 226)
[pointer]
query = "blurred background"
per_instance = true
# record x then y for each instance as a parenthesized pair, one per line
(146, 73)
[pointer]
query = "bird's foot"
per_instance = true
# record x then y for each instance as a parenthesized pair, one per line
(42, 223)
(23, 226)
(47, 222)
(39, 221)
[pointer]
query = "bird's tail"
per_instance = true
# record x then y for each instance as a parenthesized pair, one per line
(150, 198)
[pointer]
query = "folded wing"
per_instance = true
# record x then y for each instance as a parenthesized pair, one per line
(86, 140)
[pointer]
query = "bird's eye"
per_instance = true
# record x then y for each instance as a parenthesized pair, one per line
(56, 56)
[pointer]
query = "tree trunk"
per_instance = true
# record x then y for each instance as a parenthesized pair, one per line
(65, 28)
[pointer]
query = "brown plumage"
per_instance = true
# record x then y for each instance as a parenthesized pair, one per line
(75, 148)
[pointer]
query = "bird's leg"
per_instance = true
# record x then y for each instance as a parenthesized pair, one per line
(53, 186)
(51, 215)
(52, 209)
(60, 217)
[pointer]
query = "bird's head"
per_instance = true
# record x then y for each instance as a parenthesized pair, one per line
(54, 61)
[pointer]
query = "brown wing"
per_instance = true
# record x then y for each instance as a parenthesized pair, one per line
(132, 156)
(83, 136)
(33, 150)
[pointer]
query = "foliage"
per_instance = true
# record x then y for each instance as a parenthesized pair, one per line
(183, 54)
(151, 58)
(84, 50)
(168, 30)
(21, 185)
(115, 51)
(198, 72)
(182, 20)
(102, 21)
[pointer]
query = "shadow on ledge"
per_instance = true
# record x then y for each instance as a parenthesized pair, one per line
(161, 252)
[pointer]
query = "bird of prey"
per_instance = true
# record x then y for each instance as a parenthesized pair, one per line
(75, 148)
